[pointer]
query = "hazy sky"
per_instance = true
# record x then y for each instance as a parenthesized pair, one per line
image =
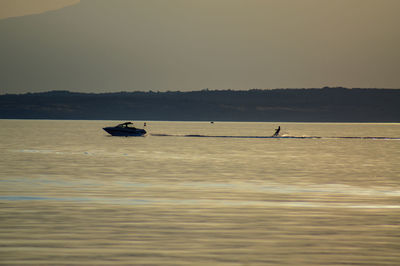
(16, 8)
(114, 45)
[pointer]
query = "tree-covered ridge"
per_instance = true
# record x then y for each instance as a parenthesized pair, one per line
(300, 105)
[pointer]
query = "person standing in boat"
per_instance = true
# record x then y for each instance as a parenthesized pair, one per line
(277, 131)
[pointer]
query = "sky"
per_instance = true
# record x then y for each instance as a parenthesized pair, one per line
(126, 45)
(17, 8)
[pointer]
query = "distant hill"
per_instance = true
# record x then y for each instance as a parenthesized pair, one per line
(291, 105)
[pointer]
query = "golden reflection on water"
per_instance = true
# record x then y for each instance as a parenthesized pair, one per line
(178, 201)
(97, 233)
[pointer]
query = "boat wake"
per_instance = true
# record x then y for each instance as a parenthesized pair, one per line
(270, 137)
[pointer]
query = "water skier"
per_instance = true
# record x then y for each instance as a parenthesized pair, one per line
(277, 131)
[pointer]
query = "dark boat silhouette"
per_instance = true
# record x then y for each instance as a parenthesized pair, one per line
(125, 130)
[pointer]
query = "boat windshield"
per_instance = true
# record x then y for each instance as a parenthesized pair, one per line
(125, 124)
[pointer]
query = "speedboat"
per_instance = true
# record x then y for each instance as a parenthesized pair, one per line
(125, 130)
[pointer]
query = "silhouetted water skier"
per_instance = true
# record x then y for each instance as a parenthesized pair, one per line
(277, 131)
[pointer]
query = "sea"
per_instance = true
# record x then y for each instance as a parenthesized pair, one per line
(199, 193)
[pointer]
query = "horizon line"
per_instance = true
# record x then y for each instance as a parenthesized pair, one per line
(195, 90)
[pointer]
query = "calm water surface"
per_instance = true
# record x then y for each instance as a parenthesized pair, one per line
(70, 194)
